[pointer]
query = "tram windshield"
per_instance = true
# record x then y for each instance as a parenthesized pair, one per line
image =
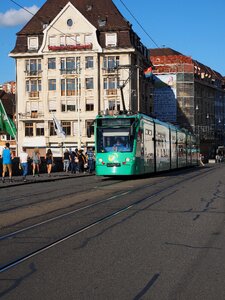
(114, 140)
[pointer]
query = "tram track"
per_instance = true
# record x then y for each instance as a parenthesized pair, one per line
(77, 203)
(24, 197)
(14, 262)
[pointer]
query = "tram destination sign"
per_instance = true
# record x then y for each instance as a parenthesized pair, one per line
(115, 122)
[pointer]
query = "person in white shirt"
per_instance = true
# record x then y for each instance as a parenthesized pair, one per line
(24, 163)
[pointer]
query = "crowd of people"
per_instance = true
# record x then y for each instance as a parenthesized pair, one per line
(77, 161)
(73, 161)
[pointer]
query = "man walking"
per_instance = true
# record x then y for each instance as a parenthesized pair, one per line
(24, 163)
(6, 162)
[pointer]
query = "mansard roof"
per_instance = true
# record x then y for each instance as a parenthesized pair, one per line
(200, 68)
(163, 52)
(94, 11)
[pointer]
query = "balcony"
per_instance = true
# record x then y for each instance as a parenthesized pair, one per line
(111, 92)
(71, 47)
(107, 71)
(31, 115)
(34, 95)
(70, 93)
(36, 73)
(76, 71)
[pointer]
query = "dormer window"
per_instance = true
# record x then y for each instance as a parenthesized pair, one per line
(32, 43)
(111, 39)
(52, 41)
(88, 39)
(89, 7)
(101, 21)
(44, 25)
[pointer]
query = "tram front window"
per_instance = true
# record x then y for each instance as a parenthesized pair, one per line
(111, 140)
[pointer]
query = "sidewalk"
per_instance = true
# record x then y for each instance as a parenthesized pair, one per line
(18, 180)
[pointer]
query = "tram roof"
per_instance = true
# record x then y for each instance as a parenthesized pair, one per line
(144, 116)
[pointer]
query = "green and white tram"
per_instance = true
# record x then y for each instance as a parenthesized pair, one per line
(135, 144)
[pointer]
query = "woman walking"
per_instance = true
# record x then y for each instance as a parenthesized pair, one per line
(66, 161)
(24, 162)
(49, 161)
(36, 161)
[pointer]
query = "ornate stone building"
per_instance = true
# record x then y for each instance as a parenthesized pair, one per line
(72, 58)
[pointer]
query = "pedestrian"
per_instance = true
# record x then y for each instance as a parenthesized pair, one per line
(91, 160)
(7, 157)
(81, 161)
(72, 157)
(66, 161)
(49, 161)
(36, 162)
(24, 162)
(200, 160)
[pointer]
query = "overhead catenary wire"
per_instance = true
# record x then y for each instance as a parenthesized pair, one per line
(139, 23)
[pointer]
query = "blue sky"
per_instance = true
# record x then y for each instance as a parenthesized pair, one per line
(194, 28)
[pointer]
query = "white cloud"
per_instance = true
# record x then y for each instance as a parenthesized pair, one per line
(15, 17)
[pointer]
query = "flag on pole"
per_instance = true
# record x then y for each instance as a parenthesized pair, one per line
(6, 124)
(148, 72)
(58, 128)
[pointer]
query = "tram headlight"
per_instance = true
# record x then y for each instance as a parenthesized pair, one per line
(127, 159)
(100, 160)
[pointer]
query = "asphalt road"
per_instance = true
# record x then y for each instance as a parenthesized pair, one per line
(87, 237)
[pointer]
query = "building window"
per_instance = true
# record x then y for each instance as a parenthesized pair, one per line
(68, 106)
(111, 62)
(72, 40)
(40, 129)
(110, 83)
(29, 130)
(111, 39)
(51, 63)
(52, 84)
(62, 40)
(89, 62)
(33, 66)
(89, 83)
(52, 41)
(52, 105)
(89, 105)
(33, 87)
(69, 22)
(52, 131)
(32, 43)
(34, 107)
(70, 87)
(114, 105)
(66, 127)
(70, 65)
(90, 124)
(88, 39)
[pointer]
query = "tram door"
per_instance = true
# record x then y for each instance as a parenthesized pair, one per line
(149, 147)
(162, 138)
(173, 149)
(182, 149)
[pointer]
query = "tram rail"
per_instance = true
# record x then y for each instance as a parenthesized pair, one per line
(108, 215)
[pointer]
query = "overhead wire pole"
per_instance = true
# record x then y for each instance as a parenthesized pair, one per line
(122, 86)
